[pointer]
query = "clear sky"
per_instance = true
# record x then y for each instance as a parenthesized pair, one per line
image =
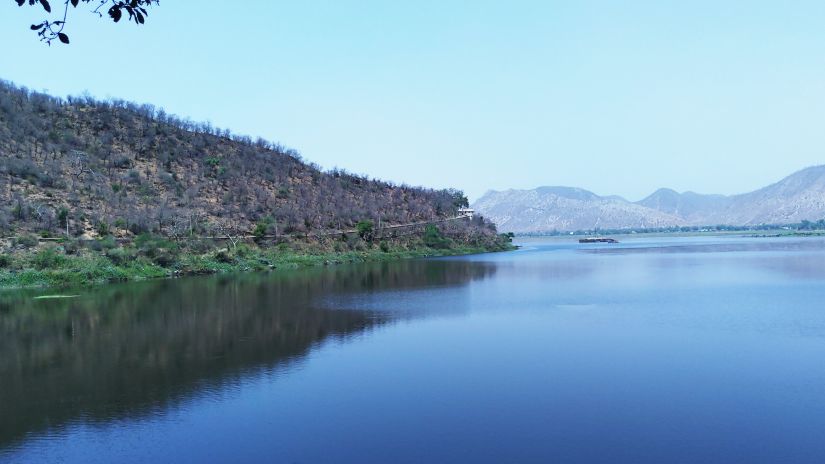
(618, 97)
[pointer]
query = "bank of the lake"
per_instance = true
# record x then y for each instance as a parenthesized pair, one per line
(59, 266)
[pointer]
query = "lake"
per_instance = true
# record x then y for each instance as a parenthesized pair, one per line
(654, 350)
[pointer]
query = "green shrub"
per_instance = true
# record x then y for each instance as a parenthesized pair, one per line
(161, 251)
(262, 228)
(122, 162)
(165, 258)
(62, 215)
(385, 247)
(200, 246)
(365, 230)
(27, 241)
(18, 211)
(243, 250)
(134, 177)
(48, 258)
(223, 256)
(107, 243)
(434, 239)
(121, 256)
(353, 242)
(148, 243)
(5, 261)
(71, 247)
(103, 228)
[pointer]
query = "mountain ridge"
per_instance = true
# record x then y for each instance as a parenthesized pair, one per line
(799, 196)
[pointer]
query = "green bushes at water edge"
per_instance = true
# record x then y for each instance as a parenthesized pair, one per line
(150, 257)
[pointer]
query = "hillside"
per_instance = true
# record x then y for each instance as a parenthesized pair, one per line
(690, 207)
(562, 208)
(113, 167)
(796, 198)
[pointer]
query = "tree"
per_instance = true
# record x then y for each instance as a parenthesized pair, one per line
(459, 199)
(49, 30)
(228, 230)
(262, 228)
(365, 230)
(63, 217)
(434, 239)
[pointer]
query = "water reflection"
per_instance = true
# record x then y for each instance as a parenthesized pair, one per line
(549, 353)
(690, 260)
(126, 351)
(725, 245)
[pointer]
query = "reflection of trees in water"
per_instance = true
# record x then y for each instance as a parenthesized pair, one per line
(410, 274)
(393, 295)
(126, 350)
(559, 269)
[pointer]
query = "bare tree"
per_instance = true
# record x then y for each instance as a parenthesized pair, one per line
(229, 230)
(79, 164)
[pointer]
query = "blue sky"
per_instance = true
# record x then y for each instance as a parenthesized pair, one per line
(616, 97)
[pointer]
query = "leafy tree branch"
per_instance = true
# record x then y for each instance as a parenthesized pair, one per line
(49, 30)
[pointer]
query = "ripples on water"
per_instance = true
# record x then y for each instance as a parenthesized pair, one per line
(666, 350)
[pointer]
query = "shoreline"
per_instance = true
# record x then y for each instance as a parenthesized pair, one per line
(93, 268)
(715, 233)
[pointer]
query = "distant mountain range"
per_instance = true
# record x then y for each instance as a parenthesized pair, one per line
(798, 197)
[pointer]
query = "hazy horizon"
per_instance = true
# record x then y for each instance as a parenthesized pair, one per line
(615, 99)
(609, 194)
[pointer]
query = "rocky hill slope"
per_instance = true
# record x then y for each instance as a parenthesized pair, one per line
(113, 167)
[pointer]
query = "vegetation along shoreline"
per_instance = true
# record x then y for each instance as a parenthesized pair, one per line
(71, 263)
(95, 191)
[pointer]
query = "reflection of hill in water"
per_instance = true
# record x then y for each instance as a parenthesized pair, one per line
(126, 350)
(395, 296)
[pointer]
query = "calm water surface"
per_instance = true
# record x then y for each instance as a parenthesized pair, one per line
(694, 350)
